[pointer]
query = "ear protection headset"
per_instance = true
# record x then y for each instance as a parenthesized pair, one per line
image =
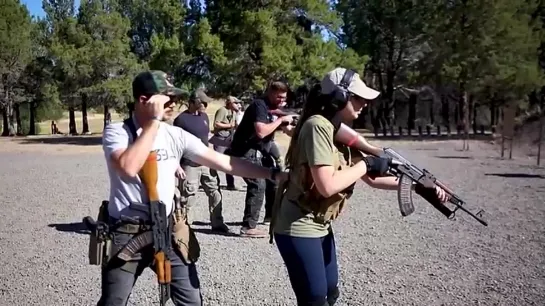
(341, 93)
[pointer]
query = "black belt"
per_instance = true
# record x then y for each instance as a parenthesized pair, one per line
(129, 226)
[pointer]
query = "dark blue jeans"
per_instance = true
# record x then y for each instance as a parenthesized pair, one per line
(312, 268)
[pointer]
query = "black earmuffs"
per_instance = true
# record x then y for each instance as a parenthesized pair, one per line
(341, 94)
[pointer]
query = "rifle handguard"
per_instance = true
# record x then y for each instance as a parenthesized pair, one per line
(430, 195)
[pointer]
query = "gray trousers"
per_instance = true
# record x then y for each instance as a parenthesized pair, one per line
(229, 179)
(119, 277)
(208, 179)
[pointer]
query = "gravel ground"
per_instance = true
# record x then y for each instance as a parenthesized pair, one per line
(423, 259)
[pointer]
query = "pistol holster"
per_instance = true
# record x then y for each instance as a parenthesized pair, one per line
(100, 241)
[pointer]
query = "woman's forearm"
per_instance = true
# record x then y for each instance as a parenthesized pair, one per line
(371, 149)
(385, 183)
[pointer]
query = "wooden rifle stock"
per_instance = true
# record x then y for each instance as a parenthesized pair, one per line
(148, 175)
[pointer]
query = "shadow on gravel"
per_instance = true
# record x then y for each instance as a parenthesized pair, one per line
(209, 231)
(64, 140)
(517, 175)
(76, 227)
(454, 157)
(224, 189)
(201, 223)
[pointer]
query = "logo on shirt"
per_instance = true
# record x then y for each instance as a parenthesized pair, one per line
(163, 154)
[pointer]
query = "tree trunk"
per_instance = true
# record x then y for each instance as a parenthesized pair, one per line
(464, 114)
(389, 115)
(473, 107)
(19, 126)
(32, 119)
(85, 123)
(72, 130)
(465, 110)
(107, 116)
(445, 109)
(5, 122)
(460, 107)
(412, 111)
(493, 119)
(12, 121)
(432, 110)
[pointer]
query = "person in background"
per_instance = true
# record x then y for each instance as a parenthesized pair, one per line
(224, 128)
(195, 121)
(251, 141)
(240, 112)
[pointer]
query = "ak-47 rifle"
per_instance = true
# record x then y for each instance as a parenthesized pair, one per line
(282, 112)
(408, 174)
(161, 232)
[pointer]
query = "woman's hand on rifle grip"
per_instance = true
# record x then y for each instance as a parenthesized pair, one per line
(442, 194)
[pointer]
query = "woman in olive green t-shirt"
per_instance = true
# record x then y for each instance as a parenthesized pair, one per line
(306, 246)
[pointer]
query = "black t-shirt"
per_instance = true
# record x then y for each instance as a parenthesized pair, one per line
(196, 124)
(245, 137)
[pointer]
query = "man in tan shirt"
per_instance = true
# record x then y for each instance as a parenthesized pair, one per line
(224, 127)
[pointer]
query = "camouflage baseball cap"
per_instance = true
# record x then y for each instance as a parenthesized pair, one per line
(154, 82)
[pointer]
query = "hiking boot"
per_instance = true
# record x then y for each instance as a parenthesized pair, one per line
(253, 233)
(222, 228)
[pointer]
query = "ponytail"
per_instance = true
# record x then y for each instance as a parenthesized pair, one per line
(315, 103)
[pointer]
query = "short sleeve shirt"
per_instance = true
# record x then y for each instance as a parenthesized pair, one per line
(171, 144)
(196, 124)
(315, 148)
(226, 116)
(245, 137)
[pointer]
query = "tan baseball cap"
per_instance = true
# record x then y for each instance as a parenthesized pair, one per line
(232, 99)
(357, 87)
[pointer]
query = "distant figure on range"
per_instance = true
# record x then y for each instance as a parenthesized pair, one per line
(252, 142)
(224, 127)
(195, 121)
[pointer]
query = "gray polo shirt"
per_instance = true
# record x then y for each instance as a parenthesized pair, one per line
(171, 144)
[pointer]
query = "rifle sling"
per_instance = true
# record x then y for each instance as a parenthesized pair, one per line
(128, 228)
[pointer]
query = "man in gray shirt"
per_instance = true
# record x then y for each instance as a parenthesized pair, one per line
(154, 97)
(196, 122)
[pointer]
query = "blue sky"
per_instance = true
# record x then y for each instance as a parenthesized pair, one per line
(35, 7)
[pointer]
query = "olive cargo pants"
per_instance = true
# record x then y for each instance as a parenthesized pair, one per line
(208, 179)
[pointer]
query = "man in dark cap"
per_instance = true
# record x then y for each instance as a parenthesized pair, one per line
(126, 147)
(196, 122)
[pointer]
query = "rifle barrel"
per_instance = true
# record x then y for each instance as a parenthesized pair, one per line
(473, 215)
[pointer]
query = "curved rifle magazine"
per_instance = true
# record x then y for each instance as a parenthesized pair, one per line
(405, 195)
(136, 244)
